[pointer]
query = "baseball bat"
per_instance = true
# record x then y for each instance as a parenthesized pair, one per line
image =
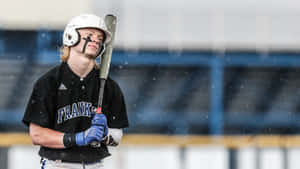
(111, 23)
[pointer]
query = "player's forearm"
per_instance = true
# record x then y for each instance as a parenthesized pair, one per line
(45, 137)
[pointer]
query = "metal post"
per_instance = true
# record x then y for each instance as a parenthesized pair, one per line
(216, 114)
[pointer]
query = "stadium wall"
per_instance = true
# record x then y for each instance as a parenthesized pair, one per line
(177, 152)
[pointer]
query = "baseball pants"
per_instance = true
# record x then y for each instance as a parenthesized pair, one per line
(51, 164)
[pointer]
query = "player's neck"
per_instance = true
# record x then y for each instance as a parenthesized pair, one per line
(81, 65)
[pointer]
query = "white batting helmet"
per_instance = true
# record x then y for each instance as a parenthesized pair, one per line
(71, 35)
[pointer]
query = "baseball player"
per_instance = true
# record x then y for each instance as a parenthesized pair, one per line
(61, 110)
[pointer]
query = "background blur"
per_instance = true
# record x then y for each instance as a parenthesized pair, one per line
(200, 70)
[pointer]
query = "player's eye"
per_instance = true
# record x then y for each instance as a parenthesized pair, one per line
(100, 39)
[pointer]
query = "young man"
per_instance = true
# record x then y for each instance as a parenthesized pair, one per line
(61, 110)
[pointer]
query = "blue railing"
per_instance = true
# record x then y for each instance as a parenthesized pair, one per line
(214, 61)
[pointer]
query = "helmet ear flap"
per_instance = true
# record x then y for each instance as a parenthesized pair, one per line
(71, 37)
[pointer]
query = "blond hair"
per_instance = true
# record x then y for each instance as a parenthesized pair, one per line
(64, 53)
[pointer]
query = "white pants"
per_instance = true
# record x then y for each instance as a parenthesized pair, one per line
(50, 164)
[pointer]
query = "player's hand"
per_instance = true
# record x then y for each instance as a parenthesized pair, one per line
(94, 133)
(100, 121)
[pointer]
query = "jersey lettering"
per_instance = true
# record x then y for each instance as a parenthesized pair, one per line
(76, 110)
(81, 108)
(67, 113)
(87, 110)
(60, 114)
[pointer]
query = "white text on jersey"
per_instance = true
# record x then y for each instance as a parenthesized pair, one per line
(75, 110)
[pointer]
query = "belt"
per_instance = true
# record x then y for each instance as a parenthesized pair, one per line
(77, 162)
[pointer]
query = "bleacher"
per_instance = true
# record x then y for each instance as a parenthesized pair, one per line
(10, 71)
(233, 93)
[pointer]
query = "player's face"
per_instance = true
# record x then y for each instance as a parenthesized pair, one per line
(91, 40)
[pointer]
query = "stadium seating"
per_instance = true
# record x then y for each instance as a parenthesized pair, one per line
(160, 86)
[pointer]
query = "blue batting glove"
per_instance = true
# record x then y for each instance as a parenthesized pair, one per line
(105, 131)
(95, 133)
(101, 121)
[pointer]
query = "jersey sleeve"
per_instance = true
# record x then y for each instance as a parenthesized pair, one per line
(118, 117)
(38, 110)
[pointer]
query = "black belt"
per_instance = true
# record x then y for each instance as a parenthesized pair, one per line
(80, 162)
(77, 162)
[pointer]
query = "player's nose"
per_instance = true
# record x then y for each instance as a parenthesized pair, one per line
(96, 39)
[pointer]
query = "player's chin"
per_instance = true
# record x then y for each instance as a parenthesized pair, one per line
(91, 55)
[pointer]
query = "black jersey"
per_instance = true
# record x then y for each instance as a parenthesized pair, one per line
(64, 102)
